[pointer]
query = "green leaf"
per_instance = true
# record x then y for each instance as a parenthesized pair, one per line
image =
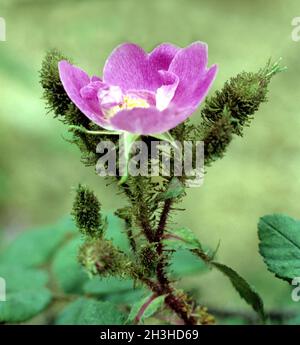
(23, 305)
(35, 247)
(174, 190)
(280, 245)
(182, 238)
(184, 263)
(67, 270)
(243, 288)
(145, 308)
(26, 295)
(86, 311)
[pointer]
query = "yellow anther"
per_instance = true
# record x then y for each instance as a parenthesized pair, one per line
(128, 104)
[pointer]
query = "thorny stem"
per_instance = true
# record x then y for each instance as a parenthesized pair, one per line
(131, 240)
(130, 236)
(163, 219)
(163, 287)
(147, 228)
(160, 269)
(171, 300)
(179, 307)
(143, 221)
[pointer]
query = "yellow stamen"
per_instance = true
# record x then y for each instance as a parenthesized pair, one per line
(128, 104)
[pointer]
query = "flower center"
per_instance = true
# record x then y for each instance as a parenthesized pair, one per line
(112, 100)
(130, 102)
(127, 104)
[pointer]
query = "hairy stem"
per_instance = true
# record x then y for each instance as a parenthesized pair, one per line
(147, 230)
(173, 302)
(163, 220)
(161, 285)
(179, 307)
(161, 265)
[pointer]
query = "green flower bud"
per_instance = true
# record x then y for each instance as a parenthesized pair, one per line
(99, 256)
(54, 92)
(86, 212)
(216, 140)
(241, 96)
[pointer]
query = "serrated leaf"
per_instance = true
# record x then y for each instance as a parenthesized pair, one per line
(145, 308)
(280, 245)
(70, 275)
(174, 190)
(246, 291)
(181, 238)
(86, 311)
(184, 263)
(35, 247)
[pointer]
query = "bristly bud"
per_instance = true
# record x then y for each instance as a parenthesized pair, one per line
(99, 256)
(86, 212)
(59, 102)
(241, 96)
(216, 140)
(54, 92)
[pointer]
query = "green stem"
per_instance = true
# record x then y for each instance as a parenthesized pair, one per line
(173, 301)
(161, 265)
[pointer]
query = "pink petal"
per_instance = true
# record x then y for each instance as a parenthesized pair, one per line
(149, 120)
(189, 64)
(203, 86)
(74, 80)
(129, 67)
(91, 90)
(110, 97)
(95, 78)
(165, 93)
(162, 55)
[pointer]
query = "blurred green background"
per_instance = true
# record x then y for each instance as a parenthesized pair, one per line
(260, 173)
